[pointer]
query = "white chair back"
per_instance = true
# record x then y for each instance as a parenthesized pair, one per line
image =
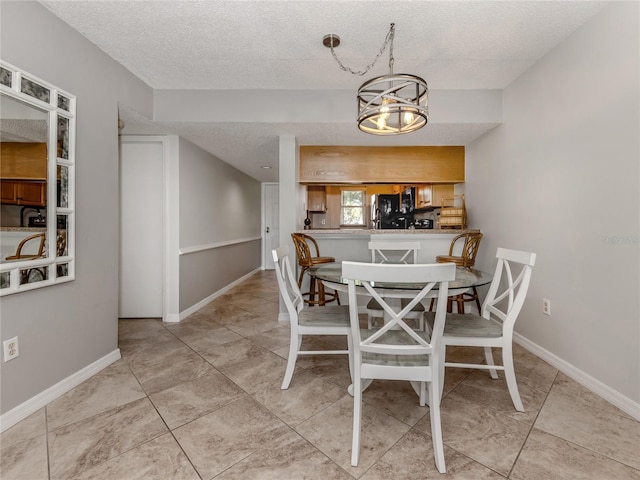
(367, 274)
(408, 252)
(506, 294)
(289, 290)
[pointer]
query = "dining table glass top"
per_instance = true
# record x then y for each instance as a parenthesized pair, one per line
(465, 278)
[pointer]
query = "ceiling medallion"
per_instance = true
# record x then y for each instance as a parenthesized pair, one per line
(392, 104)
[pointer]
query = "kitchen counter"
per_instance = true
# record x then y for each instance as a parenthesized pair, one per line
(371, 231)
(23, 229)
(352, 243)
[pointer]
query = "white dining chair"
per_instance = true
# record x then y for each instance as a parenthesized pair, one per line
(494, 328)
(394, 252)
(325, 320)
(396, 351)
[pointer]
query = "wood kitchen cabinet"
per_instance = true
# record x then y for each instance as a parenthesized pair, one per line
(316, 198)
(19, 192)
(397, 165)
(23, 161)
(430, 196)
(438, 192)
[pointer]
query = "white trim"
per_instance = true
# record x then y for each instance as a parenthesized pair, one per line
(596, 386)
(170, 228)
(202, 303)
(210, 246)
(22, 411)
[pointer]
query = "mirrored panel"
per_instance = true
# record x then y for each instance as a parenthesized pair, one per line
(37, 135)
(23, 178)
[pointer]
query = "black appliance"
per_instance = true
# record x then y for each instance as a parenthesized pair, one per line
(408, 200)
(385, 210)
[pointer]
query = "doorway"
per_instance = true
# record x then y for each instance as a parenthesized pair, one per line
(271, 222)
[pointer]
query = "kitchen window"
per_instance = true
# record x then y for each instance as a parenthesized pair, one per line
(352, 207)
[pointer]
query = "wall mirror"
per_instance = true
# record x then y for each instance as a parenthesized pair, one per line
(37, 159)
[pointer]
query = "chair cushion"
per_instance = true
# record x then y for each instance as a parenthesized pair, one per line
(333, 315)
(451, 259)
(395, 337)
(374, 305)
(467, 325)
(310, 262)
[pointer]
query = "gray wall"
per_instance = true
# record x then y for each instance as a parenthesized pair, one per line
(561, 178)
(64, 328)
(217, 204)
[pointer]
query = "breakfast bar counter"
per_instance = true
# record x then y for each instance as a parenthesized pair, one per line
(352, 243)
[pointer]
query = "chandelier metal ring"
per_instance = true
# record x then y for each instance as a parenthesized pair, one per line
(392, 104)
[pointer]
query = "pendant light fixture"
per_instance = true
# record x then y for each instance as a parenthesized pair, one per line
(391, 104)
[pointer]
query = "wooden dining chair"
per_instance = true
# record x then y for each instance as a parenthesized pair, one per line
(329, 320)
(494, 328)
(466, 259)
(394, 252)
(396, 351)
(31, 239)
(306, 260)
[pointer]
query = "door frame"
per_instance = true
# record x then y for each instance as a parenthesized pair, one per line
(170, 223)
(265, 253)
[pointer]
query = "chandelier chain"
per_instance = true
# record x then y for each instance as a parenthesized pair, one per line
(387, 41)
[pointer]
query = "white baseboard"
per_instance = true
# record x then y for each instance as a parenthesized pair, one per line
(596, 386)
(202, 303)
(22, 411)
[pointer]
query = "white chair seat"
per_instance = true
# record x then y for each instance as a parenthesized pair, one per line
(468, 325)
(327, 316)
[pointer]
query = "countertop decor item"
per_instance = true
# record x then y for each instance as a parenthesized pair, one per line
(391, 104)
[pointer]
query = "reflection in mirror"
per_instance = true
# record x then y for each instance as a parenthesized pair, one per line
(37, 135)
(23, 176)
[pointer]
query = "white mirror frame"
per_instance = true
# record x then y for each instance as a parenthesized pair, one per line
(54, 265)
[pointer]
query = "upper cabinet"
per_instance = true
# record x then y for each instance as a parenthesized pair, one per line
(402, 165)
(431, 195)
(23, 173)
(23, 160)
(316, 198)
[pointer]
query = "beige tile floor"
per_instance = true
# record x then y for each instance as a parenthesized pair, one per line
(202, 400)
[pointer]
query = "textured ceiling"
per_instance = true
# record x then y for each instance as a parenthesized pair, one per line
(278, 45)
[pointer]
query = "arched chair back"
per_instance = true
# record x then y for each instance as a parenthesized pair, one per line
(39, 252)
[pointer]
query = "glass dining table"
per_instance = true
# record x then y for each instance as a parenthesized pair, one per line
(466, 278)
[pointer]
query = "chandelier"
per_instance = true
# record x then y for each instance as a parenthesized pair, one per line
(391, 104)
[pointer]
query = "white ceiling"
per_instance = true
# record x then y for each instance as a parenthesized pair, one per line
(263, 44)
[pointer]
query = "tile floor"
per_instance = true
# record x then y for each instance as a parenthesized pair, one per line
(202, 400)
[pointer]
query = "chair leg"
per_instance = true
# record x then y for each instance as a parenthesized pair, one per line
(443, 353)
(357, 420)
(477, 298)
(312, 291)
(436, 427)
(294, 347)
(460, 303)
(510, 375)
(488, 355)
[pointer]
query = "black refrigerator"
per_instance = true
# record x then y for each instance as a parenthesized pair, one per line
(385, 211)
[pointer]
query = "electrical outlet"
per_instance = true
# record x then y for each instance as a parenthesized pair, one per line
(10, 349)
(546, 306)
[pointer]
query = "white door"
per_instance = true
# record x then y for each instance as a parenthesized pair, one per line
(141, 228)
(271, 232)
